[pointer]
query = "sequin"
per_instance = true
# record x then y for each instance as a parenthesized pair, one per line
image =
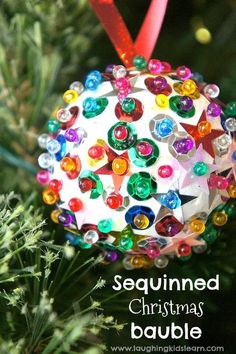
(141, 185)
(145, 156)
(122, 136)
(99, 106)
(136, 211)
(162, 127)
(133, 116)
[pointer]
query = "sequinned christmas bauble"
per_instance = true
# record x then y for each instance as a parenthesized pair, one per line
(140, 162)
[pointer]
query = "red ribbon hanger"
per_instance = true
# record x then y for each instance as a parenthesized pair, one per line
(119, 35)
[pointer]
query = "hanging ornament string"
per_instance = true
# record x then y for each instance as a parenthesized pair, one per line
(151, 27)
(118, 33)
(116, 29)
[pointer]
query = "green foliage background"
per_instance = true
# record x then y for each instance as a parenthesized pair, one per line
(44, 46)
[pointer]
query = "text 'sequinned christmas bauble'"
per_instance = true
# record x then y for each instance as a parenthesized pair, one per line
(141, 163)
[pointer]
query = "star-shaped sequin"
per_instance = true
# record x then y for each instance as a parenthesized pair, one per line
(197, 170)
(215, 199)
(205, 140)
(114, 91)
(177, 212)
(159, 240)
(183, 197)
(108, 169)
(181, 238)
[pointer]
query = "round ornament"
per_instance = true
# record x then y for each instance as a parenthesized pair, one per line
(133, 176)
(139, 162)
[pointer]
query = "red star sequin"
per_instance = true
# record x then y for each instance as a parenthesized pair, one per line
(206, 140)
(107, 168)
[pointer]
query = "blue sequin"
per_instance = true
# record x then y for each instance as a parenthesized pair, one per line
(136, 210)
(76, 240)
(233, 156)
(222, 122)
(61, 153)
(71, 238)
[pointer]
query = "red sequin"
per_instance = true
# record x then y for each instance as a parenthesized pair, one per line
(156, 90)
(168, 226)
(133, 116)
(74, 114)
(73, 174)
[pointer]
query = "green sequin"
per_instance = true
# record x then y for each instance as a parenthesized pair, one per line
(127, 232)
(230, 109)
(141, 185)
(174, 102)
(125, 243)
(185, 258)
(106, 245)
(122, 144)
(211, 234)
(144, 161)
(98, 190)
(101, 105)
(82, 244)
(230, 208)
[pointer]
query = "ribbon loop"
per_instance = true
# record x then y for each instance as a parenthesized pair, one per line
(119, 35)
